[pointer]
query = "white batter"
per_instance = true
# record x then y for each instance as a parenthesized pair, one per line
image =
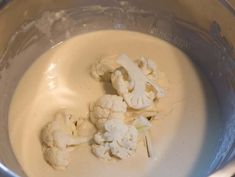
(183, 137)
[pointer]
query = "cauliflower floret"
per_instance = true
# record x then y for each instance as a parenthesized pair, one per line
(116, 140)
(103, 68)
(114, 130)
(86, 129)
(136, 88)
(148, 67)
(63, 122)
(61, 132)
(59, 137)
(107, 107)
(57, 158)
(102, 151)
(101, 71)
(120, 83)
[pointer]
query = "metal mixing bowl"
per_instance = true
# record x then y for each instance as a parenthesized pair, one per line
(203, 29)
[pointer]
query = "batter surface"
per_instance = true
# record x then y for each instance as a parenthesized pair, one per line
(184, 137)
